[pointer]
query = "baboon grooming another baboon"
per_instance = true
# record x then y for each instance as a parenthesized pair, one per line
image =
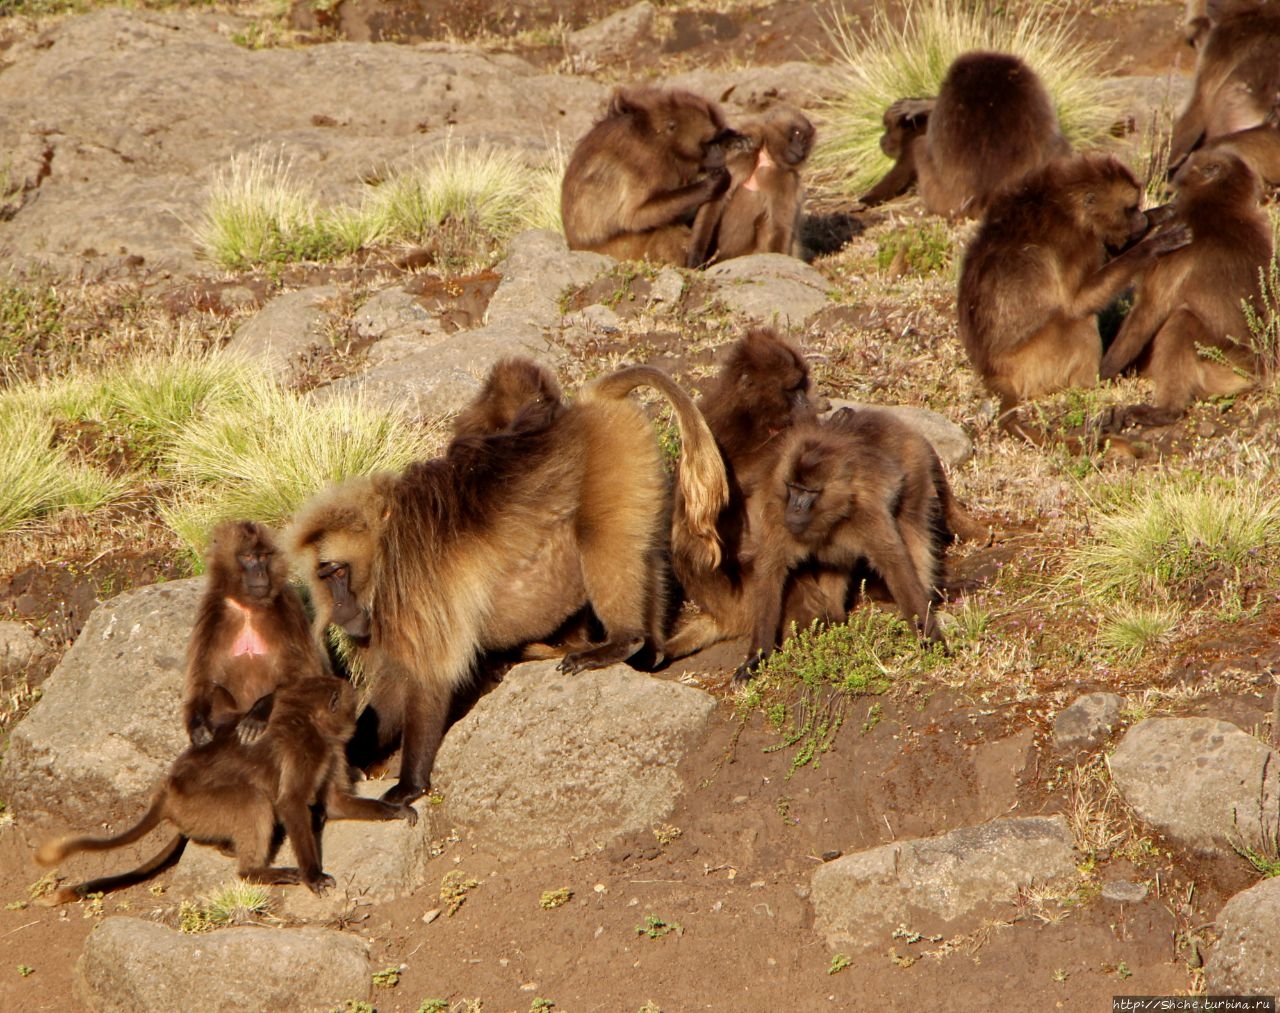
(636, 180)
(495, 544)
(1187, 309)
(861, 486)
(226, 792)
(762, 211)
(905, 121)
(1036, 274)
(251, 635)
(992, 123)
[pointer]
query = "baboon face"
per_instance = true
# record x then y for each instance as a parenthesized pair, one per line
(689, 126)
(1113, 209)
(261, 572)
(1213, 171)
(798, 134)
(815, 490)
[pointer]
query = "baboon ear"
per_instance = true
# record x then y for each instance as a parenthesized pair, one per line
(622, 103)
(334, 700)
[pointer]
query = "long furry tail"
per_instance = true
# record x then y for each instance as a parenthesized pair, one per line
(703, 482)
(161, 860)
(53, 852)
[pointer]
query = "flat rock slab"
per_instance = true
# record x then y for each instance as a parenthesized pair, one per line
(1246, 960)
(1197, 780)
(938, 884)
(109, 722)
(770, 287)
(1087, 721)
(134, 966)
(552, 760)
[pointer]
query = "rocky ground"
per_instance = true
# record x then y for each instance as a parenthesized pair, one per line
(697, 889)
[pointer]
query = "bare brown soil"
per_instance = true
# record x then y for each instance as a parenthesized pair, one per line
(732, 883)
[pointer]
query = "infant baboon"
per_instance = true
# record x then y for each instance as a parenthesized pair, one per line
(905, 122)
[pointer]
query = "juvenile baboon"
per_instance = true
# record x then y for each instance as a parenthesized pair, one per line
(1237, 79)
(250, 637)
(637, 179)
(514, 388)
(763, 213)
(1187, 309)
(760, 391)
(905, 122)
(229, 793)
(496, 543)
(861, 487)
(1036, 274)
(992, 123)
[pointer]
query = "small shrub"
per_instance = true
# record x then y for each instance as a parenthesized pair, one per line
(454, 888)
(655, 927)
(916, 249)
(552, 899)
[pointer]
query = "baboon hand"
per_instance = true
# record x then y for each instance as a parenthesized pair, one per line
(320, 884)
(201, 733)
(409, 814)
(403, 792)
(1168, 239)
(250, 730)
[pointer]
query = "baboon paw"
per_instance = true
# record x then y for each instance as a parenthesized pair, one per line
(250, 730)
(403, 792)
(321, 884)
(409, 814)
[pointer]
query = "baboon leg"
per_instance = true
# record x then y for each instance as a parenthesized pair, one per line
(1182, 374)
(698, 632)
(890, 557)
(426, 710)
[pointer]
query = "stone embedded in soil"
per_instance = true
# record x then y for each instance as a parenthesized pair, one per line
(132, 966)
(19, 647)
(285, 328)
(552, 760)
(1198, 780)
(1087, 721)
(1246, 959)
(109, 721)
(938, 884)
(772, 288)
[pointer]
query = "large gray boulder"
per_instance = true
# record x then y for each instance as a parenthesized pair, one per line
(109, 721)
(1246, 959)
(551, 760)
(938, 884)
(134, 966)
(1198, 780)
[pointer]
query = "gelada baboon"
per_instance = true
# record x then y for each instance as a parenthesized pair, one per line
(905, 121)
(1036, 274)
(1237, 79)
(232, 794)
(763, 208)
(1187, 310)
(1258, 147)
(636, 180)
(251, 635)
(992, 123)
(499, 541)
(760, 392)
(861, 487)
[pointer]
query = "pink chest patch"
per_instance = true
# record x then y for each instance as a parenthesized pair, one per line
(248, 641)
(762, 162)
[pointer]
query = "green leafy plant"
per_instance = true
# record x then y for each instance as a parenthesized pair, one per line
(915, 249)
(454, 888)
(839, 962)
(655, 927)
(552, 899)
(388, 977)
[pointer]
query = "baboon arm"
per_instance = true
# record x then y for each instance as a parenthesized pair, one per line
(705, 227)
(1107, 283)
(1135, 334)
(295, 814)
(897, 181)
(426, 710)
(342, 804)
(888, 556)
(1188, 131)
(765, 595)
(669, 206)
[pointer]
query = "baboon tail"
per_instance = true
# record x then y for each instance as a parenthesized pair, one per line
(704, 485)
(55, 851)
(157, 863)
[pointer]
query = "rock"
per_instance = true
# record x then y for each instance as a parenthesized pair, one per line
(1188, 776)
(1246, 959)
(393, 310)
(753, 87)
(538, 267)
(19, 647)
(1087, 721)
(1124, 891)
(769, 287)
(284, 329)
(371, 862)
(109, 722)
(950, 442)
(937, 884)
(614, 38)
(134, 966)
(553, 760)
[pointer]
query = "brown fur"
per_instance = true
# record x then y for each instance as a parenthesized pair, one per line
(760, 391)
(1237, 79)
(762, 212)
(248, 600)
(233, 794)
(498, 542)
(1036, 275)
(992, 123)
(514, 386)
(1190, 300)
(1258, 147)
(905, 121)
(637, 179)
(862, 487)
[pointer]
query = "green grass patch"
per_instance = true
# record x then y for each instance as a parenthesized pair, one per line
(237, 903)
(888, 60)
(1128, 631)
(921, 248)
(1264, 317)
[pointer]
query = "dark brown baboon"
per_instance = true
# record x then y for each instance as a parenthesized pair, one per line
(992, 123)
(1187, 309)
(229, 793)
(637, 179)
(1237, 80)
(514, 386)
(1036, 274)
(905, 122)
(763, 213)
(862, 487)
(760, 391)
(250, 637)
(1258, 147)
(498, 542)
